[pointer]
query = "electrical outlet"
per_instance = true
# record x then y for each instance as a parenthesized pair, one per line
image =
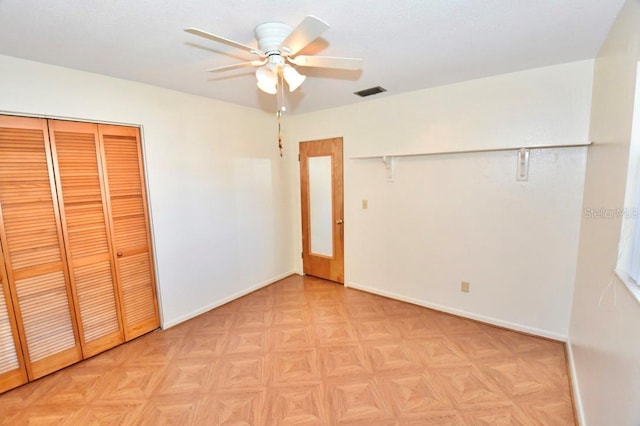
(464, 286)
(365, 204)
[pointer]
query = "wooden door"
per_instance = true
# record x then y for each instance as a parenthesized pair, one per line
(32, 246)
(127, 202)
(322, 208)
(77, 165)
(12, 369)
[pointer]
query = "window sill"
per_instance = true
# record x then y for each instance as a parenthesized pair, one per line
(628, 282)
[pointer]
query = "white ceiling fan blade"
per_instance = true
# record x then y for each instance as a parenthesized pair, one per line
(238, 65)
(226, 41)
(352, 64)
(309, 29)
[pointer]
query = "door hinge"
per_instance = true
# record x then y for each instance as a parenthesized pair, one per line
(301, 254)
(298, 157)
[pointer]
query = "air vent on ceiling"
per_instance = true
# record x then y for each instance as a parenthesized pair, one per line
(370, 91)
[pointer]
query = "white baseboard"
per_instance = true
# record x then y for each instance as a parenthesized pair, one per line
(210, 306)
(460, 312)
(575, 388)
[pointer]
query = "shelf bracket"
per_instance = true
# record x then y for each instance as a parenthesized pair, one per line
(390, 164)
(522, 173)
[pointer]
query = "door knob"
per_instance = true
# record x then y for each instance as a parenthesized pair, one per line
(339, 222)
(119, 254)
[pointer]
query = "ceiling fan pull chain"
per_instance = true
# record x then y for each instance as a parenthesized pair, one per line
(279, 115)
(281, 109)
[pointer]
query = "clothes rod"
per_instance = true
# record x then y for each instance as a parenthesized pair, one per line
(522, 174)
(471, 151)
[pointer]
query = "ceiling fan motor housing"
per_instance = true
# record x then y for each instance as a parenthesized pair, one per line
(270, 36)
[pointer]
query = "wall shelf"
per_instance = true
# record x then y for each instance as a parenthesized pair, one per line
(389, 160)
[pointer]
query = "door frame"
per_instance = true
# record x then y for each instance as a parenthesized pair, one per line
(327, 267)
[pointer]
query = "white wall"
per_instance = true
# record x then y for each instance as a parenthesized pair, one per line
(465, 217)
(219, 193)
(604, 338)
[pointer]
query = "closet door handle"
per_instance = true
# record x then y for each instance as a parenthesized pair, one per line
(119, 254)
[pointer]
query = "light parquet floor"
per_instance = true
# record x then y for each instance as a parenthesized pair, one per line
(305, 351)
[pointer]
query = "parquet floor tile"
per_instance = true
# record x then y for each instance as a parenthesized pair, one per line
(232, 408)
(246, 372)
(416, 396)
(207, 345)
(290, 299)
(128, 383)
(324, 314)
(358, 400)
(469, 388)
(378, 329)
(389, 357)
(335, 333)
(439, 351)
(167, 411)
(292, 338)
(214, 321)
(505, 415)
(345, 360)
(417, 327)
(296, 405)
(186, 376)
(246, 341)
(359, 309)
(291, 315)
(253, 319)
(480, 345)
(106, 414)
(289, 368)
(305, 351)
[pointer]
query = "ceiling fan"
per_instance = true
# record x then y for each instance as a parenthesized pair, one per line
(278, 47)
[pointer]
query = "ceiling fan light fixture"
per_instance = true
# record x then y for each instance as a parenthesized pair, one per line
(267, 77)
(267, 88)
(293, 78)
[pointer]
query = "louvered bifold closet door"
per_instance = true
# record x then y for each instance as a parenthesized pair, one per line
(33, 250)
(12, 369)
(83, 210)
(124, 175)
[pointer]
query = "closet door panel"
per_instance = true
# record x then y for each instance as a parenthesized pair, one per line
(44, 304)
(135, 270)
(85, 225)
(33, 248)
(130, 228)
(12, 369)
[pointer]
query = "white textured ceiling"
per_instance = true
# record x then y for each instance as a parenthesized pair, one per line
(406, 44)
